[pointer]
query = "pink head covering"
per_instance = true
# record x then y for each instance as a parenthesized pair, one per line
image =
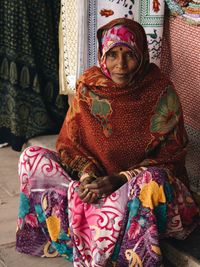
(117, 35)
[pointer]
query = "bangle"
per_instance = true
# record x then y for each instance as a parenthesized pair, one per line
(86, 175)
(127, 174)
(132, 173)
(83, 177)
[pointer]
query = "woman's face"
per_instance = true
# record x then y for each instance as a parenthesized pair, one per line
(121, 63)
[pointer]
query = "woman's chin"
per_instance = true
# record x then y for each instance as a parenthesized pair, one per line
(121, 83)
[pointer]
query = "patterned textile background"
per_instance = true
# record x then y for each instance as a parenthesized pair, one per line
(94, 13)
(181, 62)
(149, 13)
(29, 101)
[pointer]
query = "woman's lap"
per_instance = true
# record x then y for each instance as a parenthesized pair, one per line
(156, 203)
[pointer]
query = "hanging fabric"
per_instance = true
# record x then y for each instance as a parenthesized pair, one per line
(30, 104)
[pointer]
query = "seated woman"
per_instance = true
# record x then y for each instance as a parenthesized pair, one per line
(118, 182)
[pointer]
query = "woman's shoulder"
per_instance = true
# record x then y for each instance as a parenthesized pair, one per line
(156, 85)
(86, 80)
(90, 74)
(94, 77)
(155, 72)
(155, 76)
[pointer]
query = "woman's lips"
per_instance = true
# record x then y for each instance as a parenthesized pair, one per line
(121, 74)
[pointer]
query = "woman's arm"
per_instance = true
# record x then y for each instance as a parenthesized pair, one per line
(74, 156)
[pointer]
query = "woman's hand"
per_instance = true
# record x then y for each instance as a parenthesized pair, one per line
(92, 191)
(84, 194)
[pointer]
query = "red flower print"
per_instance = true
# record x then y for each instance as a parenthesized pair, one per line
(32, 220)
(134, 230)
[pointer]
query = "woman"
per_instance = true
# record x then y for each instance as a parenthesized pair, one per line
(122, 146)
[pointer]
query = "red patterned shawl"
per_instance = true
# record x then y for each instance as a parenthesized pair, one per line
(110, 129)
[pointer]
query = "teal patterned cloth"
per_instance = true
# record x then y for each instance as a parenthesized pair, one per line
(30, 104)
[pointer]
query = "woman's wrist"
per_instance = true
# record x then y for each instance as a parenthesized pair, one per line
(87, 175)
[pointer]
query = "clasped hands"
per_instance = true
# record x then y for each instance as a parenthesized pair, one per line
(92, 188)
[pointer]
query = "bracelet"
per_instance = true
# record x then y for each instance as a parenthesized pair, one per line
(130, 174)
(86, 175)
(83, 177)
(127, 174)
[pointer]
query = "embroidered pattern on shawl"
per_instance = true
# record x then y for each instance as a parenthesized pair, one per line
(100, 108)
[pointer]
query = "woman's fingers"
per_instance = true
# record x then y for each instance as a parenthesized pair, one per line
(96, 189)
(87, 198)
(94, 185)
(83, 193)
(87, 180)
(90, 197)
(101, 186)
(94, 198)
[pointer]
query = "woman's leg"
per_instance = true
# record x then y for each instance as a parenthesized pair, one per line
(95, 227)
(154, 203)
(43, 214)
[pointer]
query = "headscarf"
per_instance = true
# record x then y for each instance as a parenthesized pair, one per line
(128, 32)
(117, 35)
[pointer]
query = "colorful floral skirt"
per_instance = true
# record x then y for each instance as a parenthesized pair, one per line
(123, 229)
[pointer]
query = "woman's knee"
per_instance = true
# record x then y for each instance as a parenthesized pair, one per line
(32, 156)
(150, 187)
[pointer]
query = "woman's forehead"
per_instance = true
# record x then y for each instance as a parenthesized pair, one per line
(123, 48)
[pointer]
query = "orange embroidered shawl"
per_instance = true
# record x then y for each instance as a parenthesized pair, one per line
(110, 129)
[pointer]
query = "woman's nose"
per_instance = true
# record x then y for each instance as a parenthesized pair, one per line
(122, 61)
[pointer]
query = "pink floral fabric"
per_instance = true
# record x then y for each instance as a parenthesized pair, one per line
(121, 230)
(114, 36)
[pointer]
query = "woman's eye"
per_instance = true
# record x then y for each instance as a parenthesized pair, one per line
(130, 55)
(111, 54)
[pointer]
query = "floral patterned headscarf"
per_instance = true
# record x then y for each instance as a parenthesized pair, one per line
(118, 35)
(126, 32)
